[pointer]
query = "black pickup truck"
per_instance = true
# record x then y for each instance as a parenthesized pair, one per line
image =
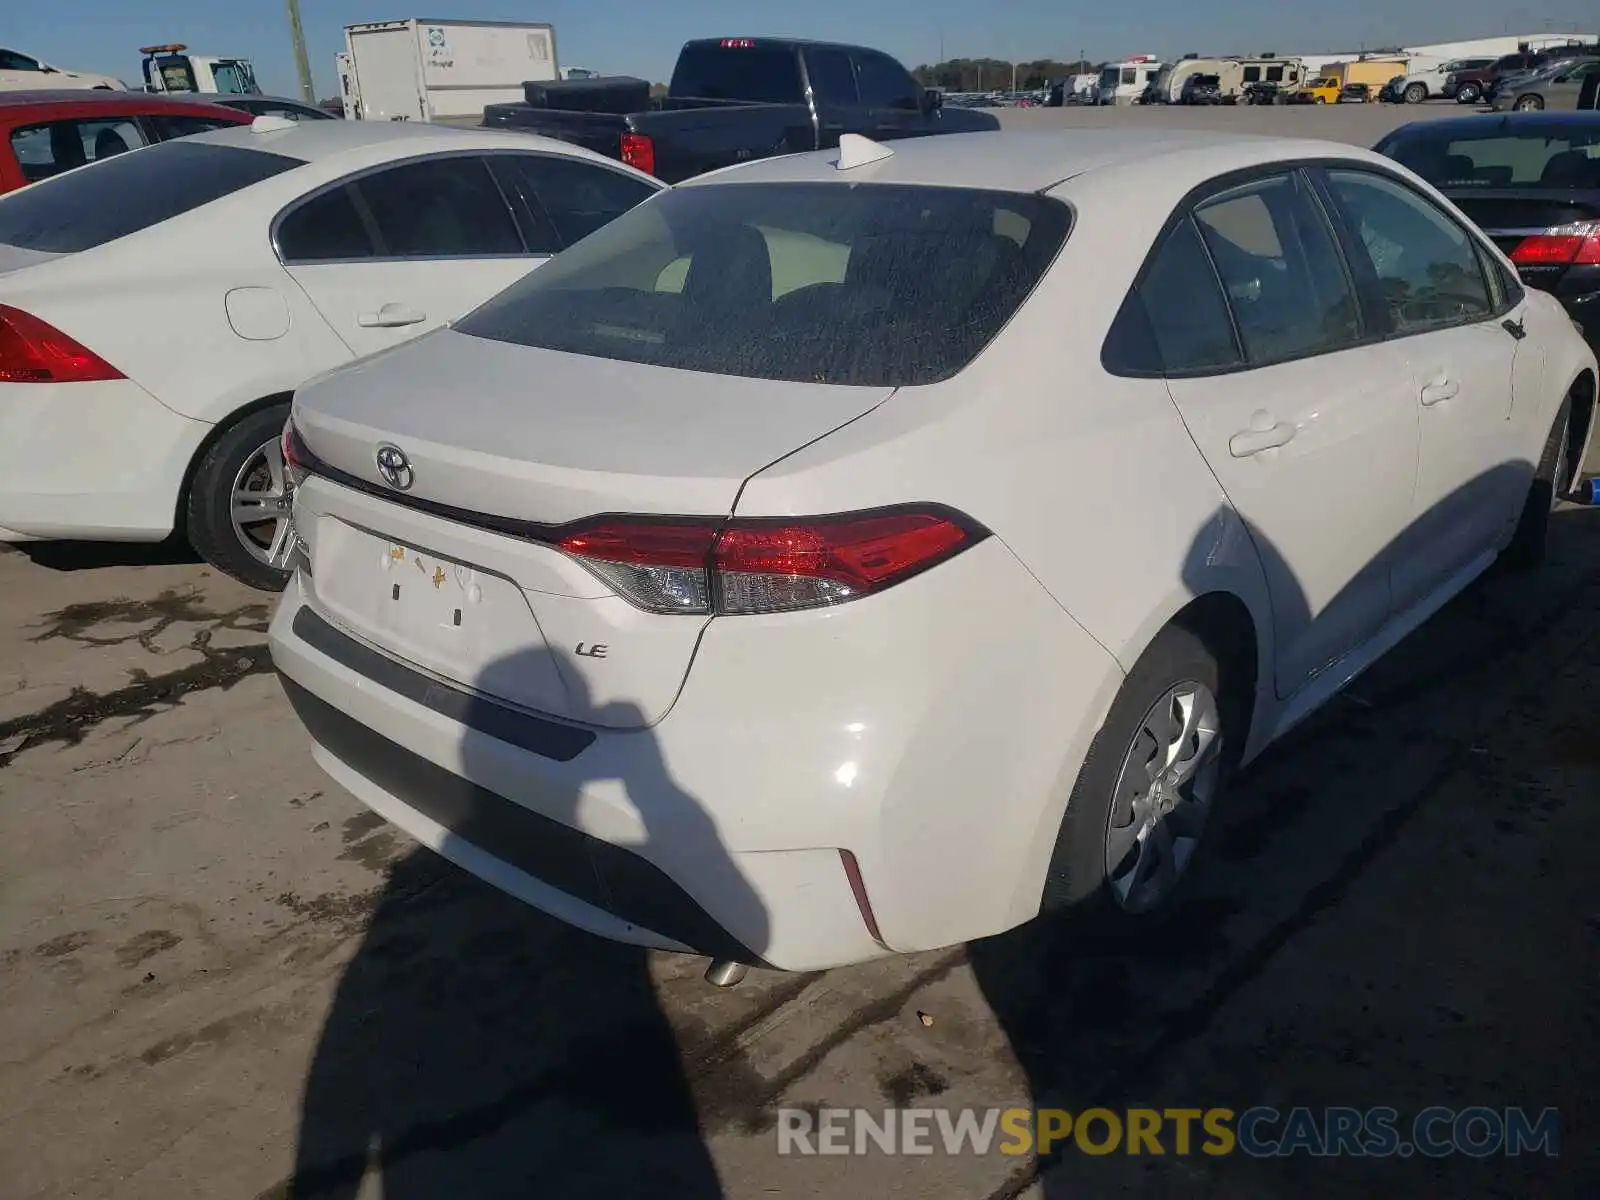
(736, 99)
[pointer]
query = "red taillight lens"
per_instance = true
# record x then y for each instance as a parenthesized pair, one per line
(763, 566)
(777, 567)
(639, 152)
(297, 459)
(32, 351)
(1577, 244)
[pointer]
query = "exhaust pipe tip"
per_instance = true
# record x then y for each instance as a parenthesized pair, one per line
(724, 973)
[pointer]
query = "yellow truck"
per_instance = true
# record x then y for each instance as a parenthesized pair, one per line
(1322, 90)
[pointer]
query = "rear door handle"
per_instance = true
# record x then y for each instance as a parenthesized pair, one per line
(1441, 387)
(391, 316)
(1255, 441)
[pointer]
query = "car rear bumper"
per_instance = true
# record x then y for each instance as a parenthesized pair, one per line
(1579, 293)
(91, 460)
(940, 759)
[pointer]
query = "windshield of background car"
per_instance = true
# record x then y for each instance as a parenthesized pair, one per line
(874, 285)
(1526, 155)
(111, 199)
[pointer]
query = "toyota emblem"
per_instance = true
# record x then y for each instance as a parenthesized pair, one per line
(395, 467)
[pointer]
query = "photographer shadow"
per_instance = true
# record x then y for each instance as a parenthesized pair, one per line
(477, 1047)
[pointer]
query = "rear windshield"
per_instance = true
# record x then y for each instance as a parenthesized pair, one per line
(709, 71)
(880, 285)
(108, 200)
(1502, 156)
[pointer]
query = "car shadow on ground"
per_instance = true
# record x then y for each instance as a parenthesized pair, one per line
(100, 556)
(478, 1048)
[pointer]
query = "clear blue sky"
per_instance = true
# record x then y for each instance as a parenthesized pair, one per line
(642, 37)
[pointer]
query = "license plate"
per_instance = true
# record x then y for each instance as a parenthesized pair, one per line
(424, 590)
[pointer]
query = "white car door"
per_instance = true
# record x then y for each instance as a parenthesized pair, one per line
(395, 252)
(1305, 420)
(1457, 321)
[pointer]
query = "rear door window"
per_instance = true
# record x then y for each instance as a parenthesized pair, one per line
(833, 78)
(330, 227)
(439, 208)
(49, 149)
(568, 199)
(1281, 269)
(69, 214)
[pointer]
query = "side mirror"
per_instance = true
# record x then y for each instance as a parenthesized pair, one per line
(932, 100)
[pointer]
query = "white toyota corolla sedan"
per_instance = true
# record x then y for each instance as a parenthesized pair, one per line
(158, 309)
(860, 552)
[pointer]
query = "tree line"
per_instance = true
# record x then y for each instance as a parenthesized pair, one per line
(994, 74)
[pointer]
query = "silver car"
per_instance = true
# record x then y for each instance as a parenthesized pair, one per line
(1557, 87)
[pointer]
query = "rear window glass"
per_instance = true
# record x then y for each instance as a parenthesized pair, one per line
(1533, 156)
(109, 200)
(830, 283)
(711, 72)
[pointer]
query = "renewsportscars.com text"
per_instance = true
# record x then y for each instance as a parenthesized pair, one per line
(1259, 1132)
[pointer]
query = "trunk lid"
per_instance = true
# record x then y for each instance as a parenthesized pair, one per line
(1508, 215)
(494, 434)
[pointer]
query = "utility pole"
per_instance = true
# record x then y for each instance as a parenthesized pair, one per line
(301, 61)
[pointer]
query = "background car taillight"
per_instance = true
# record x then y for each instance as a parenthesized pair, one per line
(296, 458)
(766, 565)
(1577, 244)
(639, 152)
(33, 351)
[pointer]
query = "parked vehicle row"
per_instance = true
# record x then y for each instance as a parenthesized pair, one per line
(690, 661)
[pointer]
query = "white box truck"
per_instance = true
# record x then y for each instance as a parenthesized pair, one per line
(419, 69)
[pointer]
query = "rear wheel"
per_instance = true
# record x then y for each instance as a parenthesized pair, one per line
(1468, 94)
(1416, 93)
(1146, 794)
(1529, 103)
(1526, 550)
(1322, 99)
(239, 498)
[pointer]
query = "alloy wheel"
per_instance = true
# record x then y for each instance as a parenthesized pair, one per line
(1163, 797)
(259, 505)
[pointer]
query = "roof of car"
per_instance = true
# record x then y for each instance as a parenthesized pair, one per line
(94, 98)
(313, 140)
(1025, 161)
(1446, 127)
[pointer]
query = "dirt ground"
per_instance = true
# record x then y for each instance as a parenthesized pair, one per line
(221, 977)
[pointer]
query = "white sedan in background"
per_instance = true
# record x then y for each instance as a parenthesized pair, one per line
(158, 309)
(22, 72)
(888, 585)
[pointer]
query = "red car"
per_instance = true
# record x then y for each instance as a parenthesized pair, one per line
(45, 133)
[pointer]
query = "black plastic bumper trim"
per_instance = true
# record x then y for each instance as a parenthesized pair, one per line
(537, 735)
(611, 878)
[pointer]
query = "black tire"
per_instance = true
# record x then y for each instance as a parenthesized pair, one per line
(1416, 93)
(1526, 551)
(1469, 94)
(1529, 104)
(1077, 885)
(207, 508)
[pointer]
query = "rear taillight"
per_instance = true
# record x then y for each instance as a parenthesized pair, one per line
(296, 458)
(33, 351)
(1577, 244)
(639, 152)
(766, 565)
